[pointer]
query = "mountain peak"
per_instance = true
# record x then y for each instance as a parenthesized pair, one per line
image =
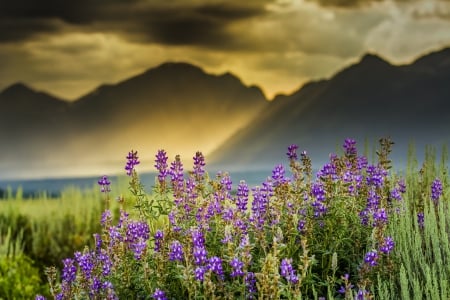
(434, 60)
(17, 88)
(176, 67)
(372, 59)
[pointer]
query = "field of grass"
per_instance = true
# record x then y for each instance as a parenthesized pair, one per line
(356, 230)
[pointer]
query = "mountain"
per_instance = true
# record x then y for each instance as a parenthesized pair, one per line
(366, 101)
(175, 106)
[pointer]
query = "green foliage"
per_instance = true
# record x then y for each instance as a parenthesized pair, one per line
(19, 278)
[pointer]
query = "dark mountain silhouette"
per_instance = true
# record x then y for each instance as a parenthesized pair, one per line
(366, 101)
(172, 104)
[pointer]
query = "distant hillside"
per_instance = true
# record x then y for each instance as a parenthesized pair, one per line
(171, 105)
(367, 100)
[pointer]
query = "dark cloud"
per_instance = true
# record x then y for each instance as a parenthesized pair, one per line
(166, 22)
(345, 3)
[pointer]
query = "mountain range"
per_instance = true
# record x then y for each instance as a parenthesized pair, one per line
(181, 108)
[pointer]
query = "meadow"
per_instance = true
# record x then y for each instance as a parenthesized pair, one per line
(356, 229)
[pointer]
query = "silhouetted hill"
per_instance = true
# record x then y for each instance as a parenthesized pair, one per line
(367, 100)
(175, 106)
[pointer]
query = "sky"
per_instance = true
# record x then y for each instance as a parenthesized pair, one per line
(68, 48)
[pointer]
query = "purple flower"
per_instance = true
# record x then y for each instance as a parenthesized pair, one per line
(328, 171)
(237, 266)
(278, 175)
(69, 271)
(396, 194)
(105, 261)
(159, 235)
(199, 164)
(161, 165)
(86, 263)
(176, 251)
(215, 265)
(104, 184)
(292, 152)
(106, 217)
(388, 245)
(362, 295)
(371, 258)
(318, 192)
(242, 196)
(159, 295)
(39, 297)
(250, 283)
(375, 175)
(226, 182)
(421, 220)
(200, 255)
(132, 161)
(301, 225)
(436, 190)
(199, 273)
(350, 148)
(176, 176)
(287, 271)
(380, 217)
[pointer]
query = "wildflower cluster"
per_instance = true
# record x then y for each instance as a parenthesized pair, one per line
(270, 240)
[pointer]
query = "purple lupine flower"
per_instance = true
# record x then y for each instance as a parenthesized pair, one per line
(200, 255)
(106, 218)
(105, 261)
(301, 225)
(237, 266)
(95, 287)
(350, 148)
(260, 203)
(132, 161)
(226, 182)
(69, 271)
(199, 273)
(176, 251)
(375, 175)
(250, 283)
(159, 295)
(40, 297)
(292, 152)
(318, 192)
(242, 196)
(159, 235)
(86, 263)
(347, 287)
(199, 165)
(228, 214)
(362, 295)
(421, 219)
(371, 258)
(104, 184)
(401, 186)
(328, 171)
(436, 190)
(380, 218)
(278, 175)
(177, 178)
(287, 271)
(161, 165)
(396, 194)
(215, 265)
(98, 242)
(123, 218)
(388, 245)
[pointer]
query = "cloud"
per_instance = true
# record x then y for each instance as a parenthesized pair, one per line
(199, 23)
